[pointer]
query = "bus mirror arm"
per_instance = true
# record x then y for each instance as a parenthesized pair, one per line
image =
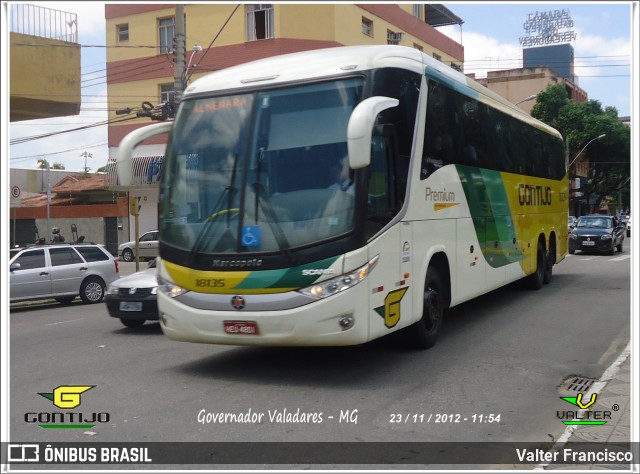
(360, 128)
(129, 142)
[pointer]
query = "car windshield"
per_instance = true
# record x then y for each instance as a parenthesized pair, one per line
(260, 172)
(595, 222)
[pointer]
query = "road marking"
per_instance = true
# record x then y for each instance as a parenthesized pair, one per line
(619, 259)
(63, 322)
(587, 259)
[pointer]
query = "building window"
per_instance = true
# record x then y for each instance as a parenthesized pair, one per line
(418, 47)
(367, 27)
(122, 32)
(393, 37)
(437, 56)
(259, 21)
(167, 30)
(167, 93)
(417, 10)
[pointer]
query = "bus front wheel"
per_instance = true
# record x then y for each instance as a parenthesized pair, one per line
(424, 333)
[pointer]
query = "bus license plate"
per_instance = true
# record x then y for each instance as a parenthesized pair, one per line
(588, 243)
(241, 327)
(130, 306)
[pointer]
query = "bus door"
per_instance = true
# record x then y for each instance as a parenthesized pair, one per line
(390, 301)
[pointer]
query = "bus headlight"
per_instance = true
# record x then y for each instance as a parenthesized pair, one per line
(170, 289)
(339, 283)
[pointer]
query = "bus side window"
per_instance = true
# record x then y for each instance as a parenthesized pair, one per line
(382, 203)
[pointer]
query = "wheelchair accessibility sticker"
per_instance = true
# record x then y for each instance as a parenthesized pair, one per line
(251, 236)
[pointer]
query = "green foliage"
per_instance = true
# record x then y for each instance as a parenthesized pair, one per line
(579, 124)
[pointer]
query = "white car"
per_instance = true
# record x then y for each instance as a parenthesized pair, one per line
(147, 245)
(133, 299)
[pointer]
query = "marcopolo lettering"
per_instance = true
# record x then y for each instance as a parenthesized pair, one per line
(530, 195)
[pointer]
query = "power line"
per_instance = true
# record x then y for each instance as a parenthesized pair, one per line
(22, 158)
(18, 141)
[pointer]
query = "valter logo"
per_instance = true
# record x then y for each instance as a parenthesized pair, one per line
(584, 416)
(66, 397)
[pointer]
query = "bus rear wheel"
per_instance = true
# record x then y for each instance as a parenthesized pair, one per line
(424, 333)
(536, 279)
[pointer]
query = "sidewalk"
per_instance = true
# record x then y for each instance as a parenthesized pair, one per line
(614, 397)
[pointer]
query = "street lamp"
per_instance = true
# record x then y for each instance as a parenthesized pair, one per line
(196, 49)
(585, 147)
(531, 97)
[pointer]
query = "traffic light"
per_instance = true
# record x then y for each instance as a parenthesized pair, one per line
(134, 207)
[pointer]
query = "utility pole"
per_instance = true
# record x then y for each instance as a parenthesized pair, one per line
(48, 204)
(179, 41)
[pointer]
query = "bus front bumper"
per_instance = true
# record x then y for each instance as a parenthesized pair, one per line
(323, 322)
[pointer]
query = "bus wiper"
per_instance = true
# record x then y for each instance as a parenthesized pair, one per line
(258, 188)
(229, 192)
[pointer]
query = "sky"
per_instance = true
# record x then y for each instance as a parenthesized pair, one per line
(490, 35)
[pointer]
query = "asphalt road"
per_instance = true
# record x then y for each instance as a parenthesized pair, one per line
(504, 354)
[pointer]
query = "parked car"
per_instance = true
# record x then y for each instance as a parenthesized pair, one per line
(133, 298)
(147, 245)
(597, 233)
(62, 272)
(572, 222)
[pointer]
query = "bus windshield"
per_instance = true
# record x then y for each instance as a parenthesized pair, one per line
(260, 172)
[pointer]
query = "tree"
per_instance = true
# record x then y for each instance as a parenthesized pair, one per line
(579, 124)
(42, 164)
(57, 166)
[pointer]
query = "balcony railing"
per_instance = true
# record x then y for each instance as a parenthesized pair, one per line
(44, 22)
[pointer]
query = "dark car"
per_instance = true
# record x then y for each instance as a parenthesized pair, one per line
(133, 299)
(597, 233)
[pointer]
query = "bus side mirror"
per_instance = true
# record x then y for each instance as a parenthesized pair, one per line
(132, 140)
(360, 129)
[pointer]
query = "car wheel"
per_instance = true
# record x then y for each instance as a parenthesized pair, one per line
(424, 333)
(132, 323)
(127, 255)
(572, 251)
(66, 300)
(92, 290)
(619, 246)
(612, 250)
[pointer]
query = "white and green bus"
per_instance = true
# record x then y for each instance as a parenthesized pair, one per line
(331, 197)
